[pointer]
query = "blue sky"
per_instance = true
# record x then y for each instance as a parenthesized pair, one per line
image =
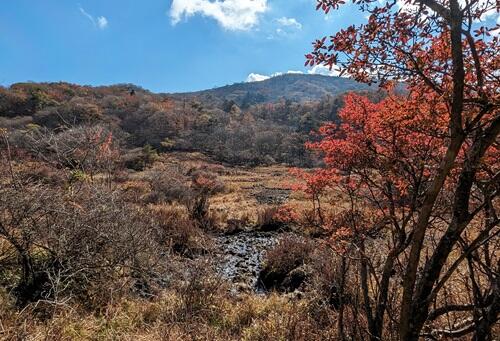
(162, 45)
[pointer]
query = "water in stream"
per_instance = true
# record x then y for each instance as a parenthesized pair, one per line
(242, 255)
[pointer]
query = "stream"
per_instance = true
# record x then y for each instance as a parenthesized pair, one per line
(241, 256)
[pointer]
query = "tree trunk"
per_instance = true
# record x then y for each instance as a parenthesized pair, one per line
(340, 323)
(409, 331)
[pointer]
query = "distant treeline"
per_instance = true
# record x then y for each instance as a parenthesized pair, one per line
(244, 130)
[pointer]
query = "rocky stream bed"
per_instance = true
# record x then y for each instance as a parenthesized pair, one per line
(241, 257)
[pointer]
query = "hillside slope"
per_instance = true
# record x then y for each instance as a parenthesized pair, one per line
(295, 87)
(249, 123)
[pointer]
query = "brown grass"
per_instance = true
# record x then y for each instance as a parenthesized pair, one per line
(249, 317)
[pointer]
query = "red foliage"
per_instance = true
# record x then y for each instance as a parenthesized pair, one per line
(394, 148)
(421, 165)
(286, 214)
(385, 153)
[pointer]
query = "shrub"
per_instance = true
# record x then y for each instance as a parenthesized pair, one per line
(274, 218)
(203, 185)
(200, 294)
(74, 112)
(168, 185)
(178, 232)
(281, 267)
(42, 173)
(87, 149)
(70, 246)
(266, 219)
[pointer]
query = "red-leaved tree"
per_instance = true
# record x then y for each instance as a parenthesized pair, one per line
(420, 169)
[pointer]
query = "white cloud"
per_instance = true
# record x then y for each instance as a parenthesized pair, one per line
(289, 22)
(285, 27)
(294, 72)
(88, 16)
(101, 22)
(324, 70)
(231, 14)
(255, 77)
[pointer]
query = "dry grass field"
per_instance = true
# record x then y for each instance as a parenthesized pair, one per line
(198, 303)
(195, 300)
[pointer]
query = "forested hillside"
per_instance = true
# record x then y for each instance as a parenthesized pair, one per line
(295, 87)
(249, 123)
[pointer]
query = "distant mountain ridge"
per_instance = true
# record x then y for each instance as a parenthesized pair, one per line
(295, 87)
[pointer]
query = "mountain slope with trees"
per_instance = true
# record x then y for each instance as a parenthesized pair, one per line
(246, 124)
(295, 87)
